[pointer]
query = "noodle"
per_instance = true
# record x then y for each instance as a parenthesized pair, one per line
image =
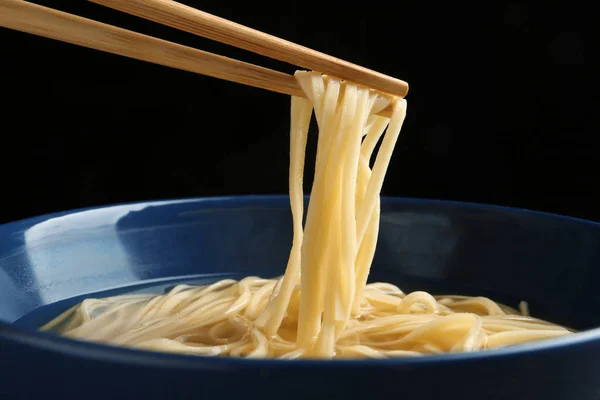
(322, 307)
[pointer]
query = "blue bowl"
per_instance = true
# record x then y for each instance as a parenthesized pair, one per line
(51, 262)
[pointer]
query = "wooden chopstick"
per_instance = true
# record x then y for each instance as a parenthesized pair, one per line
(42, 21)
(31, 18)
(191, 20)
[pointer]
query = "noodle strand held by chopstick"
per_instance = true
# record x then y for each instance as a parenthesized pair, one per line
(322, 307)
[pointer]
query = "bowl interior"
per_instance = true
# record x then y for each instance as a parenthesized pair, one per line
(48, 263)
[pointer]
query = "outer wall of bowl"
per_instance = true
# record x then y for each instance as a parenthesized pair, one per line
(552, 260)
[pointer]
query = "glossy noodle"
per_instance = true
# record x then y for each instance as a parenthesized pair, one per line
(322, 307)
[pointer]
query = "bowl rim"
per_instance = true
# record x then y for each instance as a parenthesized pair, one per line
(126, 356)
(278, 198)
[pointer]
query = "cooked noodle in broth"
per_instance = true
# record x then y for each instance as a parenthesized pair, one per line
(322, 307)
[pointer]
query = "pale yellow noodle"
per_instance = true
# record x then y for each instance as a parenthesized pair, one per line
(322, 307)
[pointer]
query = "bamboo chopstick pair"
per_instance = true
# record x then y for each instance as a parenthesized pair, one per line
(42, 21)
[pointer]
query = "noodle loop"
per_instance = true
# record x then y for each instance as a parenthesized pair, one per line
(322, 307)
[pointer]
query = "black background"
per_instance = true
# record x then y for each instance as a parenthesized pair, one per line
(499, 108)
